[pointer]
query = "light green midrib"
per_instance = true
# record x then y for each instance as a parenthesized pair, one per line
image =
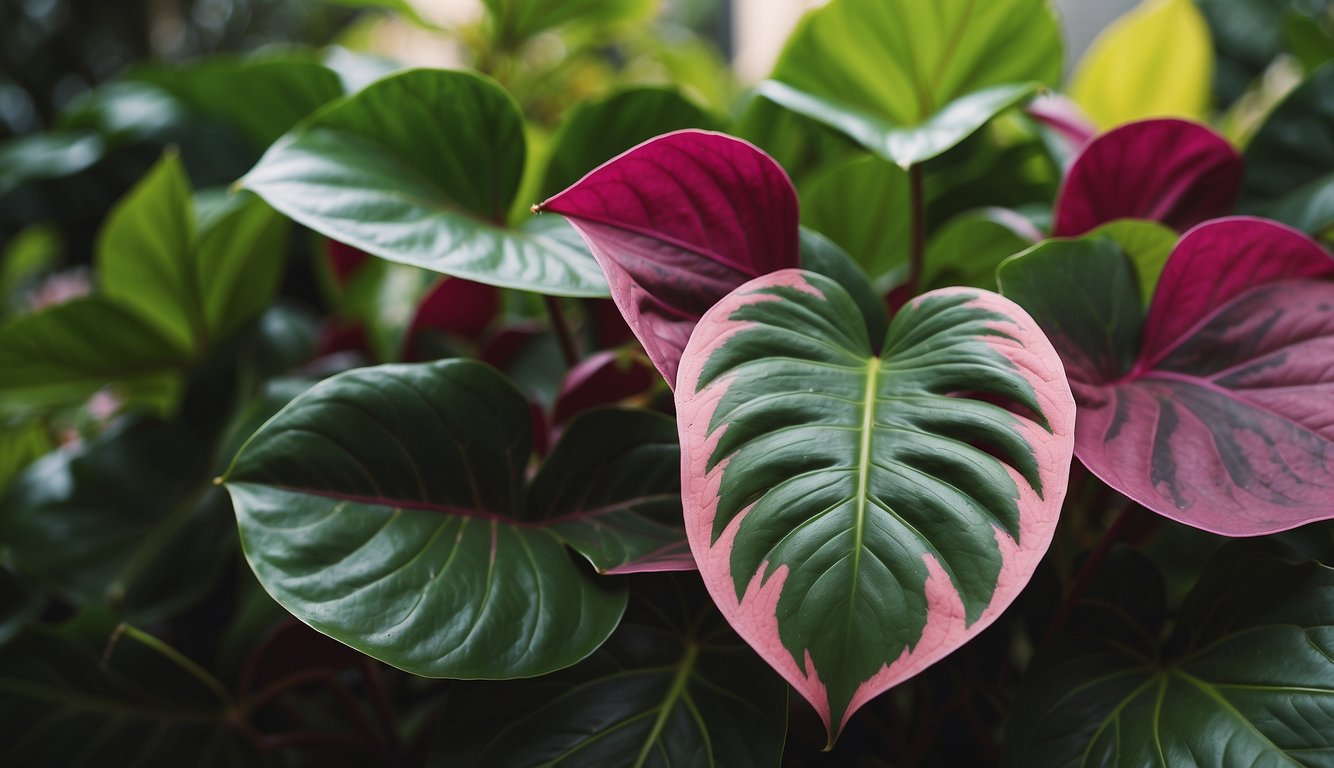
(863, 480)
(683, 672)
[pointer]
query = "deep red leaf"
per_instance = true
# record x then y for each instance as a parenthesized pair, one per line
(676, 223)
(1173, 171)
(456, 306)
(605, 378)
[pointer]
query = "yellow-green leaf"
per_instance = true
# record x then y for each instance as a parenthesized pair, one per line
(1155, 61)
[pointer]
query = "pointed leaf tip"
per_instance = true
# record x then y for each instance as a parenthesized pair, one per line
(676, 223)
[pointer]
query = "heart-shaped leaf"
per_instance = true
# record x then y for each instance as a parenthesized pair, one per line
(421, 168)
(387, 508)
(1290, 160)
(859, 512)
(1246, 679)
(909, 84)
(1173, 171)
(678, 222)
(835, 201)
(1122, 76)
(1214, 414)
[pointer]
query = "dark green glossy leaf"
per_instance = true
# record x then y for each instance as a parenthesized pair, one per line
(967, 250)
(123, 112)
(238, 259)
(65, 353)
(143, 257)
(822, 255)
(387, 508)
(595, 132)
(126, 520)
(421, 168)
(47, 156)
(908, 84)
(262, 96)
(863, 205)
(1247, 677)
(1290, 161)
(20, 605)
(673, 686)
(64, 703)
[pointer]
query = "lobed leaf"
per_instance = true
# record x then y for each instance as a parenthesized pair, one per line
(860, 510)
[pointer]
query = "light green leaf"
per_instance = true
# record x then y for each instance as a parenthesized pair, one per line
(518, 20)
(1155, 61)
(239, 257)
(421, 168)
(909, 82)
(863, 205)
(143, 254)
(967, 250)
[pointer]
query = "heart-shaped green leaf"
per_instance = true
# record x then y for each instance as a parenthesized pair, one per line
(835, 201)
(1247, 677)
(387, 508)
(673, 686)
(421, 168)
(857, 509)
(909, 83)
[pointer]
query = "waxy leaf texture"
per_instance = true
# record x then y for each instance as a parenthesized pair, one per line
(859, 513)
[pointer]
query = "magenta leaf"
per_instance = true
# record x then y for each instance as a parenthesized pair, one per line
(676, 223)
(860, 508)
(603, 378)
(1173, 171)
(1219, 413)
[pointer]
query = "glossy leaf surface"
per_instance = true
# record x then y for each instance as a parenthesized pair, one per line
(858, 514)
(1213, 414)
(967, 250)
(1173, 171)
(387, 508)
(862, 205)
(421, 168)
(673, 686)
(678, 222)
(1290, 161)
(909, 83)
(1123, 76)
(1246, 678)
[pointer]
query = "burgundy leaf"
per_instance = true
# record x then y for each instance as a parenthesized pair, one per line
(1063, 116)
(605, 378)
(676, 223)
(1173, 171)
(1226, 420)
(456, 306)
(344, 260)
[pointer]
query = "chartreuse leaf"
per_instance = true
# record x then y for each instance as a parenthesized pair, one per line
(673, 686)
(518, 20)
(676, 223)
(1211, 414)
(143, 254)
(68, 699)
(909, 83)
(1247, 677)
(835, 203)
(239, 257)
(421, 168)
(596, 131)
(860, 509)
(387, 508)
(1290, 161)
(1123, 76)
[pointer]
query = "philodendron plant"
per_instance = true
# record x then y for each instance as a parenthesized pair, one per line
(918, 392)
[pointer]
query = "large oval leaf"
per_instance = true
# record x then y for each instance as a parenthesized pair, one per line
(1216, 413)
(1173, 171)
(678, 222)
(421, 168)
(1246, 679)
(858, 514)
(909, 82)
(387, 508)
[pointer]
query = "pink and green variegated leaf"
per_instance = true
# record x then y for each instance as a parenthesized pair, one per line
(858, 514)
(676, 223)
(1222, 418)
(1173, 171)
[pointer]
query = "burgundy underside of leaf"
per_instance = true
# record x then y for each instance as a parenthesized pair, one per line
(676, 223)
(1168, 170)
(1226, 420)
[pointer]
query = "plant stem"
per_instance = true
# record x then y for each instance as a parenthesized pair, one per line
(171, 654)
(917, 243)
(569, 346)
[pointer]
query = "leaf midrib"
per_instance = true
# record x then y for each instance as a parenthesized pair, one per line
(864, 462)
